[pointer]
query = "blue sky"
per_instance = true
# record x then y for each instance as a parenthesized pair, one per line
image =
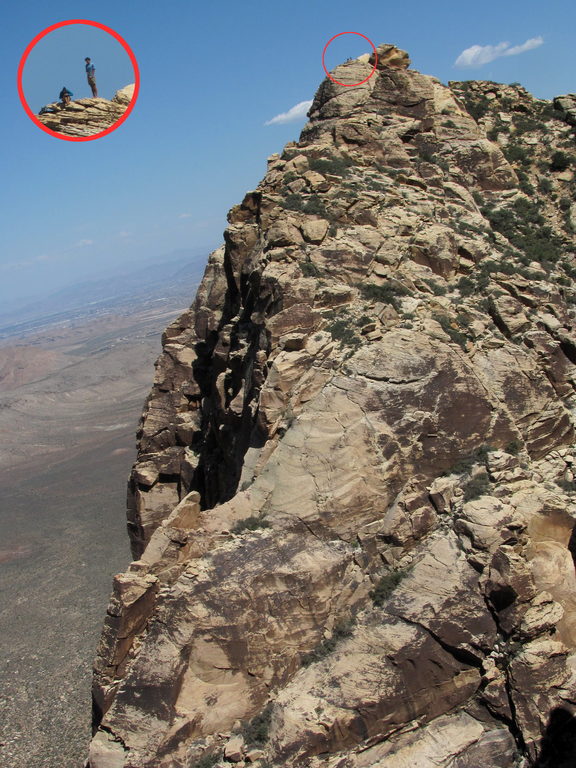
(212, 75)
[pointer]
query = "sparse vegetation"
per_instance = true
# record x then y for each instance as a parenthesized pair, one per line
(252, 523)
(463, 465)
(477, 486)
(255, 731)
(387, 293)
(386, 585)
(342, 330)
(523, 225)
(337, 166)
(513, 447)
(561, 161)
(309, 269)
(451, 328)
(341, 631)
(207, 761)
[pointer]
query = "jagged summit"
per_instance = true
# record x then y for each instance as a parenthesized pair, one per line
(353, 505)
(85, 117)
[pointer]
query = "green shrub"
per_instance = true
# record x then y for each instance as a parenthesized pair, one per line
(342, 630)
(466, 286)
(386, 585)
(545, 186)
(207, 761)
(314, 205)
(449, 124)
(341, 330)
(293, 202)
(448, 327)
(437, 288)
(252, 523)
(255, 731)
(560, 161)
(387, 293)
(337, 166)
(465, 464)
(514, 153)
(478, 108)
(477, 486)
(513, 447)
(309, 269)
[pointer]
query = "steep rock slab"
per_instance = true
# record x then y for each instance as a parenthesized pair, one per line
(329, 547)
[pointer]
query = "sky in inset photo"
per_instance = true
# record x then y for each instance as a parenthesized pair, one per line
(57, 61)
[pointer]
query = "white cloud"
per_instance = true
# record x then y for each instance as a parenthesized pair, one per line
(184, 215)
(297, 112)
(477, 55)
(83, 243)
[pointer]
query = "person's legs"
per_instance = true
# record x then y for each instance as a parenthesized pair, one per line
(94, 88)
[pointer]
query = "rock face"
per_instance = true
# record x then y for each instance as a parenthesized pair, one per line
(85, 117)
(353, 509)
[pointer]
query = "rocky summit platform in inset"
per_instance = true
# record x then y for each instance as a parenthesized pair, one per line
(85, 117)
(353, 510)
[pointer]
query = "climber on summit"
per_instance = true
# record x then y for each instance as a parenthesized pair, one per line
(65, 96)
(91, 74)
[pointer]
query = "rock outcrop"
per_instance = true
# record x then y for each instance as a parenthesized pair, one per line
(353, 509)
(85, 117)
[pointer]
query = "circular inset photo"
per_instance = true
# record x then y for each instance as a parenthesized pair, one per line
(78, 80)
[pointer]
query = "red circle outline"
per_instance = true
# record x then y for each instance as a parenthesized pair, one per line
(351, 85)
(122, 42)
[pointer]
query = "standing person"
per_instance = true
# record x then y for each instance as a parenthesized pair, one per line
(91, 73)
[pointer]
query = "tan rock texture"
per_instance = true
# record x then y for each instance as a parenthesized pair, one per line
(353, 509)
(85, 117)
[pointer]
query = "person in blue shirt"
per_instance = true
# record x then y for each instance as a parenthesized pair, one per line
(91, 73)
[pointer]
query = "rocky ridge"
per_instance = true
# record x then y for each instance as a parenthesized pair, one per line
(85, 117)
(353, 509)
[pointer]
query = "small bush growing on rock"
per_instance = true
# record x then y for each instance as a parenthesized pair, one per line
(207, 761)
(386, 586)
(387, 293)
(466, 286)
(314, 205)
(309, 269)
(437, 288)
(337, 166)
(516, 154)
(252, 523)
(293, 202)
(255, 731)
(545, 186)
(341, 331)
(478, 108)
(513, 447)
(342, 630)
(463, 465)
(453, 332)
(477, 486)
(560, 161)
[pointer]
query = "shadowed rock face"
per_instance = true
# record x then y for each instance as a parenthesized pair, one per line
(352, 510)
(85, 117)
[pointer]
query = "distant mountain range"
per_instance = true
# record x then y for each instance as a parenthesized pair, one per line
(174, 276)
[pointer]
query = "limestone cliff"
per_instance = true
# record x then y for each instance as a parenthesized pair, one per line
(353, 507)
(85, 117)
